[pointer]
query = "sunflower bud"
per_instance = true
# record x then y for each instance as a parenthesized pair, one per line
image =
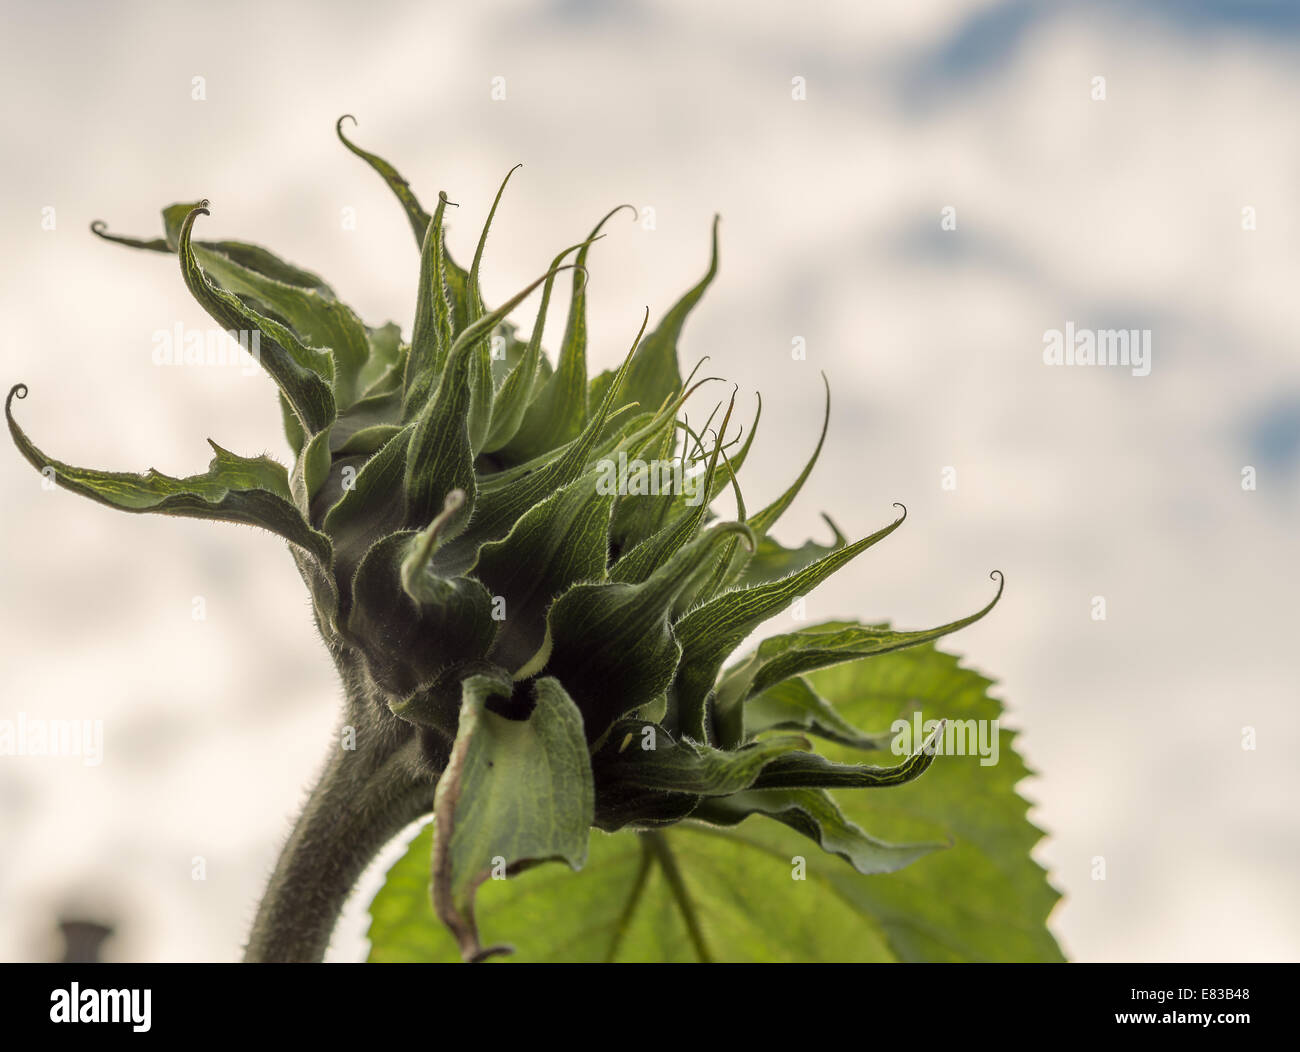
(567, 640)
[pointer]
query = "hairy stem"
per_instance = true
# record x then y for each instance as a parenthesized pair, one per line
(364, 797)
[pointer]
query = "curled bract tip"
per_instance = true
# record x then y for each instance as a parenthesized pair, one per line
(427, 540)
(17, 391)
(632, 208)
(995, 575)
(742, 531)
(898, 504)
(607, 217)
(97, 227)
(338, 130)
(694, 369)
(707, 380)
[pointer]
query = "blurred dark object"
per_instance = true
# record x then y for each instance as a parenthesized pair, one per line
(82, 940)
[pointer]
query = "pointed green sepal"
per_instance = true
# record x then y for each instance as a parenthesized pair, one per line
(553, 546)
(488, 810)
(303, 374)
(561, 408)
(772, 560)
(808, 770)
(412, 624)
(612, 644)
(713, 630)
(654, 375)
(814, 814)
(793, 705)
(250, 490)
(520, 386)
(643, 754)
(431, 333)
(780, 657)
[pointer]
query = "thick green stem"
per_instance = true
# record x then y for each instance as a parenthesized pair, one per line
(365, 796)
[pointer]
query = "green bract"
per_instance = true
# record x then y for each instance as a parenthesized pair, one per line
(528, 652)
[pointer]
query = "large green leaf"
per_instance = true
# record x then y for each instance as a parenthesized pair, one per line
(694, 891)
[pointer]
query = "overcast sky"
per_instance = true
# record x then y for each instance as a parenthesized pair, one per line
(1122, 212)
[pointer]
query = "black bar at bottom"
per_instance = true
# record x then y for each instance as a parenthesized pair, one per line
(598, 1003)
